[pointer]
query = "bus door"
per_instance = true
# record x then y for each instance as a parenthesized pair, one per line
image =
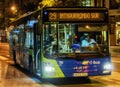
(36, 49)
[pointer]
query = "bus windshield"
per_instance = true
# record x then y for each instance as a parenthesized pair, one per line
(64, 39)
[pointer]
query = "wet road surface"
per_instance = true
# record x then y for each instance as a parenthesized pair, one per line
(12, 76)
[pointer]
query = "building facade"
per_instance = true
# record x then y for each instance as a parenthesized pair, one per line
(114, 15)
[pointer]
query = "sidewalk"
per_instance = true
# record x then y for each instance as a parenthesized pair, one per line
(115, 51)
(4, 48)
(4, 53)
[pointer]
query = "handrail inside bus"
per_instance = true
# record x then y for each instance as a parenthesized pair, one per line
(36, 56)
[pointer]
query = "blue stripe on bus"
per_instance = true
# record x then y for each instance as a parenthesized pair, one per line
(91, 66)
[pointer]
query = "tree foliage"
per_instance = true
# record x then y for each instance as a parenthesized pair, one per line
(32, 5)
(58, 3)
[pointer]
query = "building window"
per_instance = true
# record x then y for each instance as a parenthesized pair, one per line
(91, 3)
(117, 33)
(113, 4)
(85, 2)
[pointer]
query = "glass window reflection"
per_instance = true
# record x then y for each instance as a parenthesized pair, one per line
(66, 38)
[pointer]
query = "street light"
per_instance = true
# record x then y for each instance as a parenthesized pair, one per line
(14, 9)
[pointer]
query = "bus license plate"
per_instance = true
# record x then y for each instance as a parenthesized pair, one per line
(80, 74)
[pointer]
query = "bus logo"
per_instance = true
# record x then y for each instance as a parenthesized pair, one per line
(85, 62)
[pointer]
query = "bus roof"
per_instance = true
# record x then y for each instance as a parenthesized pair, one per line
(23, 18)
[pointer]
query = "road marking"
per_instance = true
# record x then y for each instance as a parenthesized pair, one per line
(3, 58)
(6, 59)
(108, 79)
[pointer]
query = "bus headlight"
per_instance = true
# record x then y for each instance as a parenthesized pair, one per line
(107, 66)
(49, 69)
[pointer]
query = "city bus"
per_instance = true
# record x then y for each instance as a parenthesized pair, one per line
(51, 42)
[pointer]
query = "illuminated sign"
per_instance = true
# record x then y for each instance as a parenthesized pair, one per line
(75, 15)
(64, 16)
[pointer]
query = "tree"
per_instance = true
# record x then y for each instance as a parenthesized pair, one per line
(58, 3)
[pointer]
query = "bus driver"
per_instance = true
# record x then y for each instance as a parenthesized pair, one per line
(87, 41)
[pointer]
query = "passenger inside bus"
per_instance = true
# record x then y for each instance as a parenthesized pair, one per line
(53, 44)
(86, 40)
(88, 43)
(75, 45)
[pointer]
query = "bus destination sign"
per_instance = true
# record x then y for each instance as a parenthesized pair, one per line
(77, 16)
